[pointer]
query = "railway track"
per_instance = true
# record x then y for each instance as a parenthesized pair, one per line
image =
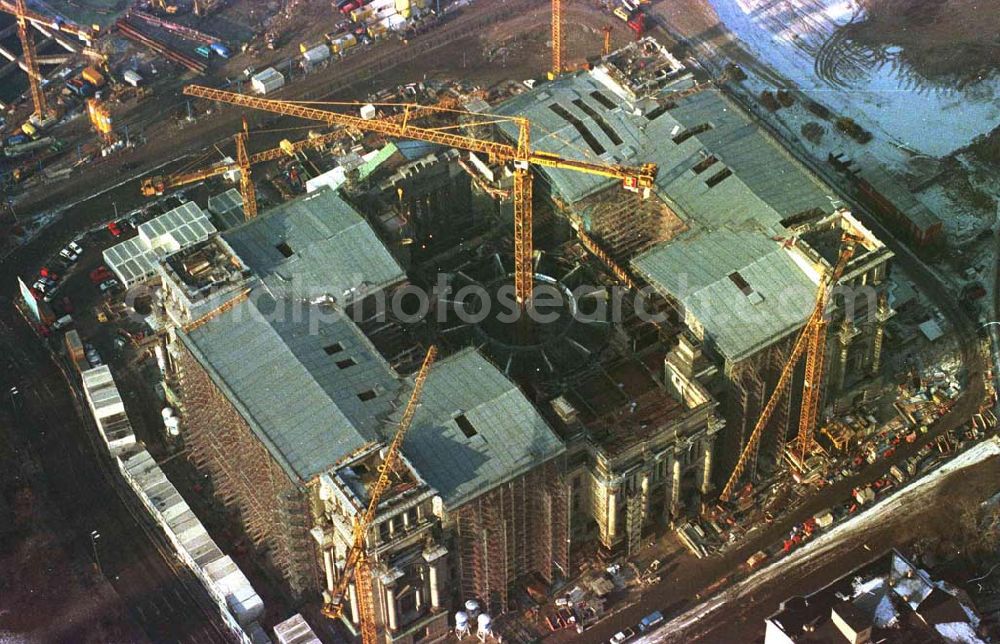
(132, 33)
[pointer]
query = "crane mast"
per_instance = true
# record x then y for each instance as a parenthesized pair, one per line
(637, 179)
(557, 64)
(19, 9)
(811, 341)
(31, 62)
(357, 565)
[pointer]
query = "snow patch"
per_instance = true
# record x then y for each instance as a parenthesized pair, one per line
(870, 586)
(885, 613)
(12, 638)
(888, 98)
(959, 632)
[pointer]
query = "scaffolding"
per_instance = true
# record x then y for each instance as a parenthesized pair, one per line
(273, 510)
(515, 529)
(634, 516)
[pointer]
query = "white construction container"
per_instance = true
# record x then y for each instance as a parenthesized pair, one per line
(317, 54)
(368, 111)
(295, 630)
(267, 81)
(132, 77)
(230, 582)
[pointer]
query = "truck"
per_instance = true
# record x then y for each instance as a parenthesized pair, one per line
(74, 346)
(650, 621)
(92, 76)
(80, 87)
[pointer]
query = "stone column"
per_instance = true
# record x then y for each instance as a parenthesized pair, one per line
(675, 488)
(352, 592)
(612, 527)
(328, 568)
(706, 467)
(390, 608)
(644, 487)
(435, 586)
(434, 559)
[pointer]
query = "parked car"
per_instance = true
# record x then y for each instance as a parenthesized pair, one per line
(623, 635)
(75, 247)
(93, 357)
(114, 229)
(100, 274)
(108, 286)
(69, 254)
(64, 321)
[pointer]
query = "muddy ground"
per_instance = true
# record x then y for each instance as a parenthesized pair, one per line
(514, 48)
(941, 39)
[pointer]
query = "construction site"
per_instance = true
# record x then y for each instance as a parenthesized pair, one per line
(521, 452)
(466, 359)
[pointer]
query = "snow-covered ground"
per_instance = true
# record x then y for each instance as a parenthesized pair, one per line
(801, 40)
(827, 544)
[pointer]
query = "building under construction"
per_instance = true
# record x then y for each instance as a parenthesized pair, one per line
(294, 340)
(736, 238)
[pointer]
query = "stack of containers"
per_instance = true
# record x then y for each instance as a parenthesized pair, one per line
(227, 578)
(224, 581)
(295, 630)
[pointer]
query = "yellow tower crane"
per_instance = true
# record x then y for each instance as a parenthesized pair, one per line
(637, 179)
(24, 16)
(811, 341)
(357, 565)
(157, 185)
(34, 75)
(557, 64)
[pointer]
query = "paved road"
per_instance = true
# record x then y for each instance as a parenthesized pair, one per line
(160, 593)
(917, 512)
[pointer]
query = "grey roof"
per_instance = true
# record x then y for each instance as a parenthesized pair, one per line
(742, 288)
(306, 408)
(225, 201)
(295, 371)
(510, 436)
(900, 196)
(333, 249)
(732, 206)
(276, 362)
(227, 207)
(767, 185)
